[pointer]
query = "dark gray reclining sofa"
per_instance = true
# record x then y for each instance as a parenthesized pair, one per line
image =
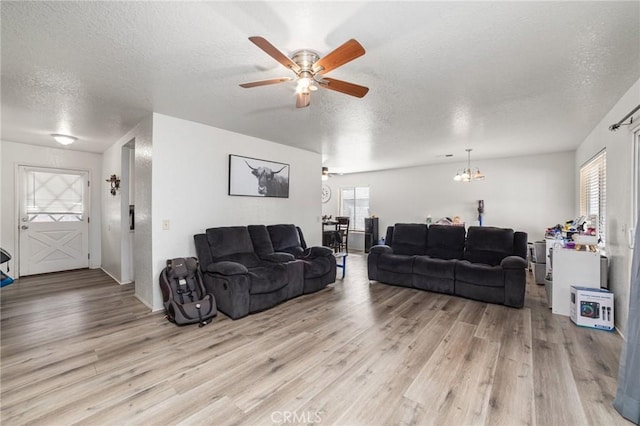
(246, 273)
(487, 264)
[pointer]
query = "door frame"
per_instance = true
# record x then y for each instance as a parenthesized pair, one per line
(635, 185)
(17, 194)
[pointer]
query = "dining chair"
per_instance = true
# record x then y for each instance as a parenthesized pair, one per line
(342, 228)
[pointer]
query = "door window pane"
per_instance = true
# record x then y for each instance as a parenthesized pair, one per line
(54, 197)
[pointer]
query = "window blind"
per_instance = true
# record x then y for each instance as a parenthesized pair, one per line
(54, 193)
(355, 204)
(593, 191)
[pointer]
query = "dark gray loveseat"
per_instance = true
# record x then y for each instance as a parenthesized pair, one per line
(246, 274)
(486, 264)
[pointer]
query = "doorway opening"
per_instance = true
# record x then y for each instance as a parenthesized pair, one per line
(127, 210)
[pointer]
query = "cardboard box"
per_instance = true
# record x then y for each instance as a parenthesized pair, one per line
(592, 307)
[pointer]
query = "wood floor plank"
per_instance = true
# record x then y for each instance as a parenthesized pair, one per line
(472, 312)
(512, 392)
(597, 393)
(220, 411)
(544, 325)
(75, 347)
(557, 400)
(406, 413)
(417, 350)
(454, 384)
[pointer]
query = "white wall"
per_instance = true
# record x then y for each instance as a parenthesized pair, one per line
(14, 154)
(619, 146)
(190, 188)
(115, 219)
(527, 194)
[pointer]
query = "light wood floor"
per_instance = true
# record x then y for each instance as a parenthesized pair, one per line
(78, 348)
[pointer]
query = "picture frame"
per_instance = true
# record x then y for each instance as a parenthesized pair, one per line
(254, 177)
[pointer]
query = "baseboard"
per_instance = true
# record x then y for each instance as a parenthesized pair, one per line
(144, 302)
(114, 278)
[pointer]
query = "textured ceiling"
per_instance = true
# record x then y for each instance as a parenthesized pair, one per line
(504, 78)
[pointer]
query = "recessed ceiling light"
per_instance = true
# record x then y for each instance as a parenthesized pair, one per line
(64, 139)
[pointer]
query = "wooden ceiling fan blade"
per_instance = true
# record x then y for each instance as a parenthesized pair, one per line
(340, 56)
(343, 87)
(303, 100)
(265, 82)
(272, 51)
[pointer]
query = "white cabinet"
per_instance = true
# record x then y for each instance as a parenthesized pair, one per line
(572, 267)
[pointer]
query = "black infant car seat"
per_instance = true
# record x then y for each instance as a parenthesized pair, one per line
(183, 293)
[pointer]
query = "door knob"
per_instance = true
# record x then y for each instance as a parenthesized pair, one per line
(24, 227)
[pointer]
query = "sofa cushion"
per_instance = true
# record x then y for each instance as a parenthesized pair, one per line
(260, 239)
(303, 243)
(481, 293)
(520, 244)
(203, 250)
(388, 239)
(267, 279)
(233, 244)
(227, 268)
(434, 267)
(409, 238)
(399, 263)
(446, 242)
(317, 267)
(285, 238)
(488, 245)
(479, 274)
(249, 260)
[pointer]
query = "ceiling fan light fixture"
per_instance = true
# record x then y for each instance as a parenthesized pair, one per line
(325, 173)
(305, 85)
(310, 68)
(64, 139)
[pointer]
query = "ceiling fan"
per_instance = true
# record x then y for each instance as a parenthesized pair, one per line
(310, 68)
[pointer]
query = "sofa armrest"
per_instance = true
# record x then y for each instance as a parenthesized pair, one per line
(317, 251)
(278, 257)
(373, 257)
(380, 249)
(227, 268)
(513, 262)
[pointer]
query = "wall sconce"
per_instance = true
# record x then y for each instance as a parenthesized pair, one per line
(115, 184)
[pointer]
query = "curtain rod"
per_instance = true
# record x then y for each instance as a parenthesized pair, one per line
(615, 127)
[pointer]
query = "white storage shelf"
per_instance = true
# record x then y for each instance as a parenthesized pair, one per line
(572, 267)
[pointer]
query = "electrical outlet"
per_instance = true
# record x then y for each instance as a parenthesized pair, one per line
(165, 225)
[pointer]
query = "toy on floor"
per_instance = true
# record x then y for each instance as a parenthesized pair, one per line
(4, 278)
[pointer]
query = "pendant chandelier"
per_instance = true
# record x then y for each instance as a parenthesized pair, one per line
(468, 174)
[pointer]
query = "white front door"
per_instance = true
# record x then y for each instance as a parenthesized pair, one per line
(53, 220)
